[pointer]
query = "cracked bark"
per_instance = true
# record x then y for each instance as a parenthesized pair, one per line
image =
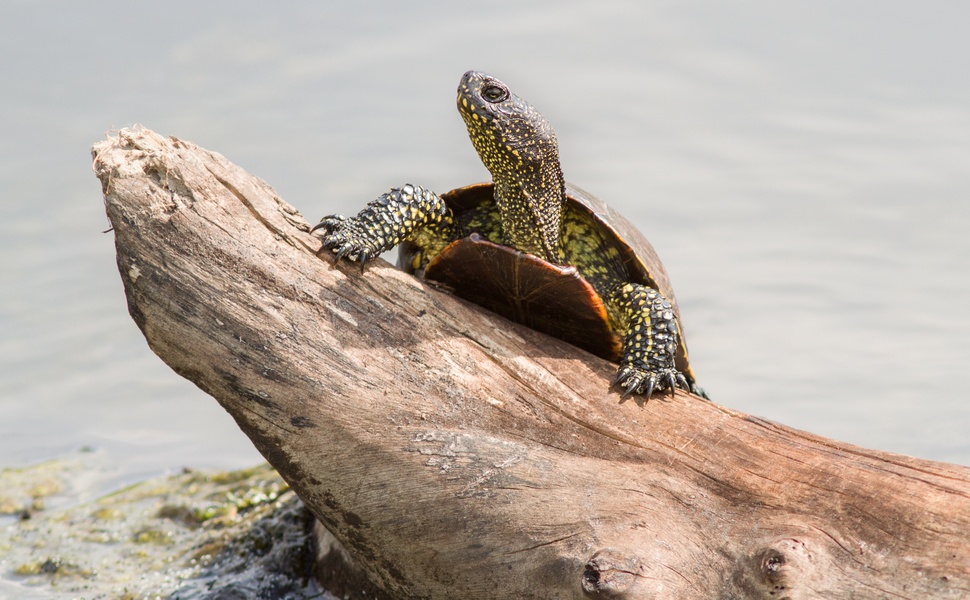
(456, 455)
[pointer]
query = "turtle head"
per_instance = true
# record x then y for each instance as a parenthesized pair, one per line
(518, 146)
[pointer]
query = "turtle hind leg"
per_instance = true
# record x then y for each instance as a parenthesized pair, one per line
(650, 340)
(404, 213)
(698, 391)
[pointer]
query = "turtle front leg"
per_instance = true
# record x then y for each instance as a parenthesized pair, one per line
(650, 342)
(404, 213)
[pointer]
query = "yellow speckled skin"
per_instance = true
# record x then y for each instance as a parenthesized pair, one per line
(529, 212)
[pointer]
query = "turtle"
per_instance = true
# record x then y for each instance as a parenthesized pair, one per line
(530, 246)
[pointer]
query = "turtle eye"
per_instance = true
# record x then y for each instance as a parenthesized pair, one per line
(495, 93)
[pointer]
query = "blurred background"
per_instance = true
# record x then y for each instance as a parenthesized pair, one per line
(803, 169)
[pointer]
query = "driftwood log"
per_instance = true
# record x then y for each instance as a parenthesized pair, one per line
(456, 455)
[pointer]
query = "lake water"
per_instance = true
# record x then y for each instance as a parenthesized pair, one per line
(802, 169)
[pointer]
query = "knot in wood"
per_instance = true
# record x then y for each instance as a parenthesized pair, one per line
(779, 570)
(610, 573)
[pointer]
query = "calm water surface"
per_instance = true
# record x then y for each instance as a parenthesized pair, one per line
(803, 170)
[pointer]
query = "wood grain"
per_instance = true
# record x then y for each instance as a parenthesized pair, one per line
(457, 455)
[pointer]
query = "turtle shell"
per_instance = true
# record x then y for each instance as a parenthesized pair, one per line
(550, 298)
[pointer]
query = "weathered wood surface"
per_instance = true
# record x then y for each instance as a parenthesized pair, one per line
(459, 456)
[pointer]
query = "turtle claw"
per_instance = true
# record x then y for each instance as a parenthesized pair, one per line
(344, 251)
(676, 380)
(329, 224)
(682, 382)
(346, 238)
(641, 381)
(626, 380)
